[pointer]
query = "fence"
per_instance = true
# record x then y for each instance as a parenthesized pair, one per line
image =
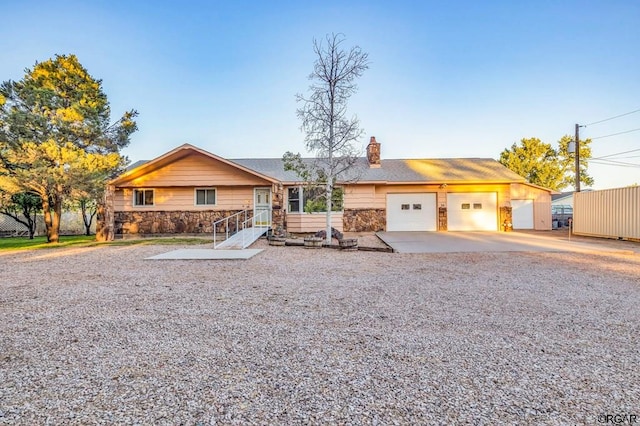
(70, 224)
(11, 228)
(609, 213)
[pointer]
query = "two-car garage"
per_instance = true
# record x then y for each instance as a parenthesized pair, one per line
(473, 211)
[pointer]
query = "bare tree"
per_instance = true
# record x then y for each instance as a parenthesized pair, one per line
(330, 133)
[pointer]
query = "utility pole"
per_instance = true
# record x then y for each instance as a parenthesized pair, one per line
(577, 185)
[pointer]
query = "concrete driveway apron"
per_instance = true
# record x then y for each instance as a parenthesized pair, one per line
(467, 242)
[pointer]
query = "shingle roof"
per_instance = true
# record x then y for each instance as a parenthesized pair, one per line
(136, 164)
(402, 170)
(438, 170)
(561, 195)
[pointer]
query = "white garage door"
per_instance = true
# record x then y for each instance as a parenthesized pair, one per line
(411, 212)
(522, 214)
(472, 211)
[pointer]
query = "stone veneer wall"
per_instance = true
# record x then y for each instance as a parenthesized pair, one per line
(442, 219)
(506, 219)
(277, 208)
(364, 220)
(169, 222)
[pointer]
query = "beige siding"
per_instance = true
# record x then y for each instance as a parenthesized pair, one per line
(611, 213)
(195, 170)
(366, 196)
(312, 222)
(361, 197)
(541, 204)
(181, 198)
(375, 196)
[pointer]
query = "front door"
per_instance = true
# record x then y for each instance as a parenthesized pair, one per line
(262, 203)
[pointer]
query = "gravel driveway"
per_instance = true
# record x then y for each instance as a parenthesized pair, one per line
(295, 336)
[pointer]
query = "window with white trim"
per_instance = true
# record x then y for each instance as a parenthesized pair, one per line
(303, 199)
(143, 197)
(205, 196)
(293, 197)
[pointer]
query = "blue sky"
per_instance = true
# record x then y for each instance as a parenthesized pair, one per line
(447, 79)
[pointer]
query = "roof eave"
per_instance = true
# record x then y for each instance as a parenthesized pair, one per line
(150, 164)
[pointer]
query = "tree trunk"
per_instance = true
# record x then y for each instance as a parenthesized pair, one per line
(52, 215)
(32, 225)
(101, 231)
(57, 215)
(104, 216)
(328, 203)
(46, 211)
(87, 217)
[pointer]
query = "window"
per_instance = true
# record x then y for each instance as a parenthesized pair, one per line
(466, 206)
(143, 197)
(311, 199)
(205, 197)
(477, 206)
(293, 195)
(404, 207)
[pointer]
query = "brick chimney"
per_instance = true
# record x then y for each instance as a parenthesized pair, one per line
(373, 153)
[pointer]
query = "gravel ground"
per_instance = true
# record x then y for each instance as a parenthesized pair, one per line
(295, 336)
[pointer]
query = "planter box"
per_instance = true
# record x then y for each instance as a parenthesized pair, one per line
(349, 244)
(277, 241)
(313, 242)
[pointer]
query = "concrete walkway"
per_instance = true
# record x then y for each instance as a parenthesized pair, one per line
(205, 254)
(464, 242)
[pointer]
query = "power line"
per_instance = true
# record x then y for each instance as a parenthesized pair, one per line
(611, 118)
(628, 166)
(616, 154)
(615, 134)
(614, 163)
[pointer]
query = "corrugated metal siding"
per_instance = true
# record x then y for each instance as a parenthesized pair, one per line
(610, 213)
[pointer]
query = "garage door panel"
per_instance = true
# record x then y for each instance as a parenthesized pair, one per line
(411, 212)
(472, 211)
(522, 214)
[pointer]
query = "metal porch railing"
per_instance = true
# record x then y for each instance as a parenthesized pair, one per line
(240, 228)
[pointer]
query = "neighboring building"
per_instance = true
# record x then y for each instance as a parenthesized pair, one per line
(562, 199)
(187, 189)
(561, 209)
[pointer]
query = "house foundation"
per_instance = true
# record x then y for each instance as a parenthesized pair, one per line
(364, 220)
(174, 222)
